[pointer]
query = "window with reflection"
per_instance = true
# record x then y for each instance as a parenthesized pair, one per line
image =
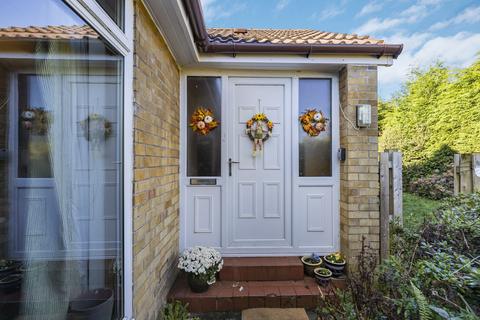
(115, 9)
(61, 218)
(204, 150)
(315, 151)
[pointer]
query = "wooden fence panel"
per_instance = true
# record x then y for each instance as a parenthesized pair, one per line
(384, 205)
(391, 196)
(396, 194)
(466, 173)
(476, 171)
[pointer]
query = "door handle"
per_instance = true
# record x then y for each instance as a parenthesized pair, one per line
(230, 166)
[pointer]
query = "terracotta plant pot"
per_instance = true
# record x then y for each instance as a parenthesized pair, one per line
(92, 305)
(309, 266)
(197, 284)
(323, 276)
(336, 267)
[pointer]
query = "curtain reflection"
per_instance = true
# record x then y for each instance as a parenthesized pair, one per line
(60, 175)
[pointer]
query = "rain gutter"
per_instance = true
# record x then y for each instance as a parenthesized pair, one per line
(195, 16)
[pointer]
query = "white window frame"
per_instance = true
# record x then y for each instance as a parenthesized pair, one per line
(122, 41)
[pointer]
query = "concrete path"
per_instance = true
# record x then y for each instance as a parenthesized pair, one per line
(274, 314)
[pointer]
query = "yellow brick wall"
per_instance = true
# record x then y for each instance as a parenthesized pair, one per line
(156, 168)
(359, 185)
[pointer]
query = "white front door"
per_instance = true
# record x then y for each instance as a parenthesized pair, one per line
(284, 200)
(259, 187)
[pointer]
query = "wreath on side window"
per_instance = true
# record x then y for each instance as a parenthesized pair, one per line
(313, 122)
(96, 127)
(259, 129)
(35, 120)
(203, 121)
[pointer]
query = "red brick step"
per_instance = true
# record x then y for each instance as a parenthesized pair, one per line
(237, 296)
(262, 269)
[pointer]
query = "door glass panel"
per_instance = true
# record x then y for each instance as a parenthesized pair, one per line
(61, 218)
(204, 150)
(315, 152)
(33, 130)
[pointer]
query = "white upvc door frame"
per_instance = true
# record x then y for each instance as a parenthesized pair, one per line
(122, 41)
(294, 75)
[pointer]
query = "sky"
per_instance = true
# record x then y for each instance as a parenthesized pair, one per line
(23, 13)
(432, 31)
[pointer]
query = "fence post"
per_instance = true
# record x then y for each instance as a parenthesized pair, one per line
(466, 173)
(384, 206)
(397, 187)
(476, 171)
(456, 173)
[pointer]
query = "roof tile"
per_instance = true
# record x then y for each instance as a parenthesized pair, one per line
(286, 36)
(50, 32)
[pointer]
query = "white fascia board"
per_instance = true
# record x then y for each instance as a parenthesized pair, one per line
(272, 61)
(172, 22)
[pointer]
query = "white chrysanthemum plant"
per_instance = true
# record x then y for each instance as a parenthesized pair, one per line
(203, 262)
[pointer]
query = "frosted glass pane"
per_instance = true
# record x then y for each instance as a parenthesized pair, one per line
(315, 153)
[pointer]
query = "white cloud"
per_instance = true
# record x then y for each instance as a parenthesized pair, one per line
(328, 13)
(369, 8)
(469, 15)
(424, 49)
(281, 4)
(376, 25)
(215, 10)
(412, 14)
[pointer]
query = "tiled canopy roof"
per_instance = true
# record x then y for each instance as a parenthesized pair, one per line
(50, 32)
(285, 36)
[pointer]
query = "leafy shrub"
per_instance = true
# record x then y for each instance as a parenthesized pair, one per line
(436, 115)
(433, 272)
(436, 186)
(176, 311)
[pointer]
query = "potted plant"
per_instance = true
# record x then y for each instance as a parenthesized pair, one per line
(323, 276)
(10, 283)
(335, 262)
(310, 263)
(96, 304)
(8, 267)
(201, 265)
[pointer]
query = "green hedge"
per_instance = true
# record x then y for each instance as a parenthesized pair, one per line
(436, 114)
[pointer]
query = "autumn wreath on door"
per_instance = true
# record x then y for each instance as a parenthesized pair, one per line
(313, 122)
(203, 121)
(259, 129)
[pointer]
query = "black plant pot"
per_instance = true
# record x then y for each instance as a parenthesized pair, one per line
(10, 283)
(197, 284)
(322, 279)
(9, 268)
(336, 268)
(92, 305)
(309, 267)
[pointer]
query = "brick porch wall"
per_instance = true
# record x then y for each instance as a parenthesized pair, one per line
(359, 185)
(156, 168)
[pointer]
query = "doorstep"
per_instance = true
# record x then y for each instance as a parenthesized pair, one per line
(261, 269)
(227, 295)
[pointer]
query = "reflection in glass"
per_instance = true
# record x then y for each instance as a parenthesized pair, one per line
(315, 153)
(204, 151)
(114, 8)
(61, 238)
